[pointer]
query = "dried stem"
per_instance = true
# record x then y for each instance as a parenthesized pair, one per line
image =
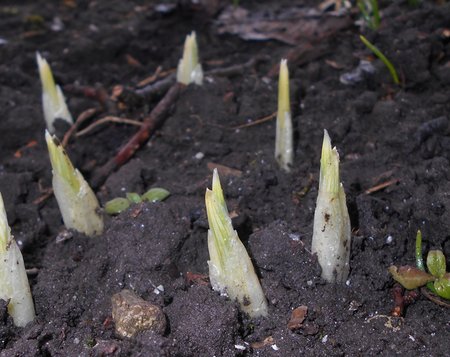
(107, 120)
(149, 126)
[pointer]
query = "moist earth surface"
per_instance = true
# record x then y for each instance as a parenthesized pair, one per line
(394, 147)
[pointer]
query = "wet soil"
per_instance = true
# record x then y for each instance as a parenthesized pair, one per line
(384, 133)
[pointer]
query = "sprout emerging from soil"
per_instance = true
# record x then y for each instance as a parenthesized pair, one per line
(370, 13)
(332, 232)
(189, 70)
(284, 152)
(77, 202)
(230, 269)
(382, 57)
(53, 102)
(14, 285)
(437, 280)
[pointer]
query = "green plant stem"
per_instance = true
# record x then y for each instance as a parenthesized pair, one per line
(382, 57)
(419, 259)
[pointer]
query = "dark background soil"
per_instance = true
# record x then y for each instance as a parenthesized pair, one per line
(381, 131)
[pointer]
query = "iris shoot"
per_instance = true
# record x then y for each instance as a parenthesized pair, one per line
(284, 152)
(14, 286)
(53, 102)
(231, 271)
(189, 69)
(77, 202)
(332, 231)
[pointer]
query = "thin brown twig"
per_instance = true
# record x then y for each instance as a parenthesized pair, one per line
(256, 122)
(107, 120)
(163, 85)
(159, 73)
(434, 298)
(381, 186)
(89, 113)
(149, 126)
(158, 115)
(44, 197)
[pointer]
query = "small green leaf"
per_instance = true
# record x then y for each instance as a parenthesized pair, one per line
(155, 194)
(410, 277)
(442, 286)
(116, 205)
(134, 197)
(436, 263)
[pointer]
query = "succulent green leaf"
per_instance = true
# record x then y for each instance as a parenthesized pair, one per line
(410, 277)
(155, 194)
(436, 263)
(117, 205)
(133, 197)
(442, 286)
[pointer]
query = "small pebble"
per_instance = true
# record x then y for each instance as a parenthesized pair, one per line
(199, 155)
(132, 314)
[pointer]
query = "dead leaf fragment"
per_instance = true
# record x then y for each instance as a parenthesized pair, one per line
(298, 315)
(291, 25)
(260, 344)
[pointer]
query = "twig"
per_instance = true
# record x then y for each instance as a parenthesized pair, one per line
(224, 170)
(159, 73)
(44, 197)
(434, 298)
(256, 122)
(238, 68)
(149, 126)
(99, 94)
(87, 114)
(154, 89)
(402, 300)
(106, 120)
(381, 186)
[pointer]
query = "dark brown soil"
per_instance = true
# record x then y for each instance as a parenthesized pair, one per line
(383, 132)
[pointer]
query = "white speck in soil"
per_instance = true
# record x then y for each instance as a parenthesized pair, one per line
(412, 338)
(389, 239)
(309, 283)
(275, 347)
(294, 237)
(76, 340)
(348, 282)
(239, 347)
(159, 289)
(199, 156)
(325, 339)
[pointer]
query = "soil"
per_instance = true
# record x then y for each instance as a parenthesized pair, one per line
(384, 133)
